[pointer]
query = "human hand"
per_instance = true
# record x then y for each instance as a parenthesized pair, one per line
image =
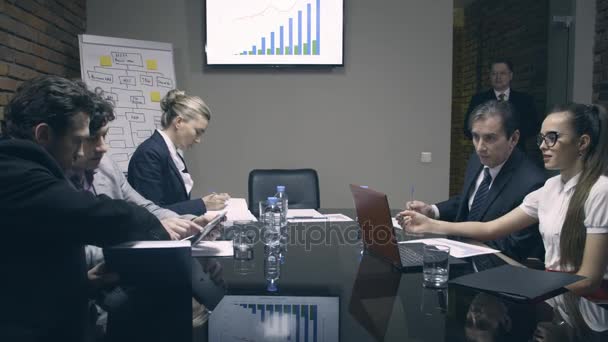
(100, 278)
(421, 207)
(414, 222)
(179, 228)
(216, 201)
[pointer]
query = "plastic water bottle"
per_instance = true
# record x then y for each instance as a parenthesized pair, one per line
(272, 223)
(283, 203)
(272, 267)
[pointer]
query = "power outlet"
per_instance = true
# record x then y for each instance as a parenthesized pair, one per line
(426, 157)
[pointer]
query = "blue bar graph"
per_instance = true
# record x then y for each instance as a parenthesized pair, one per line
(309, 45)
(306, 318)
(281, 48)
(254, 50)
(299, 49)
(290, 48)
(308, 34)
(317, 51)
(272, 43)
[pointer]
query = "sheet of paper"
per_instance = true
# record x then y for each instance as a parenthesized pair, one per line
(213, 248)
(237, 210)
(396, 224)
(303, 213)
(338, 218)
(457, 249)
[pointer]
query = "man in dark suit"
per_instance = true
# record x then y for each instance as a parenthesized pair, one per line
(501, 74)
(497, 179)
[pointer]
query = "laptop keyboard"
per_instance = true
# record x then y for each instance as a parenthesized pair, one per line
(409, 256)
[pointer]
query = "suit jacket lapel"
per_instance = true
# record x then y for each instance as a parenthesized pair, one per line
(501, 180)
(161, 142)
(469, 186)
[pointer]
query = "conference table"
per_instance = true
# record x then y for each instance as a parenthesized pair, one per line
(370, 300)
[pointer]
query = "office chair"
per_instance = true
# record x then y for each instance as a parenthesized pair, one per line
(301, 185)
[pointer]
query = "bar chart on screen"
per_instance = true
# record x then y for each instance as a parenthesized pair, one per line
(274, 32)
(275, 318)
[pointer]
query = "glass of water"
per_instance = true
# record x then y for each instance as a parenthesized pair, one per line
(436, 266)
(242, 244)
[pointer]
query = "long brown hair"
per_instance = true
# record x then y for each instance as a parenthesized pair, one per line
(590, 120)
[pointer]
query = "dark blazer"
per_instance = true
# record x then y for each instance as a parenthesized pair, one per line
(517, 178)
(153, 174)
(45, 224)
(524, 108)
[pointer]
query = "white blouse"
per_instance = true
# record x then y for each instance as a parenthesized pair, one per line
(178, 161)
(549, 205)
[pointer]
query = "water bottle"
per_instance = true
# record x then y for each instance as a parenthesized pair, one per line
(272, 267)
(283, 203)
(272, 223)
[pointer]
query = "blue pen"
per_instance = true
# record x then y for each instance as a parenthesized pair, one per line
(412, 194)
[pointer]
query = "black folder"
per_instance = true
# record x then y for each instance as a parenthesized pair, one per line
(518, 283)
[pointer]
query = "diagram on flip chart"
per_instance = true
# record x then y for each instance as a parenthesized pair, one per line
(134, 76)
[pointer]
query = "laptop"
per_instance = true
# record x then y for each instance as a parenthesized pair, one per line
(196, 238)
(378, 233)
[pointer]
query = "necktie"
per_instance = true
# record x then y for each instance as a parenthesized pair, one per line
(501, 97)
(480, 196)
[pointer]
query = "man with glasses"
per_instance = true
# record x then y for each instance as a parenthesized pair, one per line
(497, 179)
(501, 75)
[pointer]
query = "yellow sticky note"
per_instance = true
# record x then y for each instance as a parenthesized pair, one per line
(151, 64)
(155, 96)
(105, 61)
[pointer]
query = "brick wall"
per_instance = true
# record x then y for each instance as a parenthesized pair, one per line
(600, 52)
(516, 30)
(38, 37)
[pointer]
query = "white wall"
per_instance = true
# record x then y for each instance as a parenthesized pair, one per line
(364, 123)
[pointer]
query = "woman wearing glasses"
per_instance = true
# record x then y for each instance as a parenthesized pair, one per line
(157, 169)
(571, 208)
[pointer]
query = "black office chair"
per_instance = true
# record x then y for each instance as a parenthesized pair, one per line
(301, 185)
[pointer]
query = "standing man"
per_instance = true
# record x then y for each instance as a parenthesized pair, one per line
(501, 75)
(497, 179)
(46, 221)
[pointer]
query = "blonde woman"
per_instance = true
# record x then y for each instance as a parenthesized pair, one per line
(157, 169)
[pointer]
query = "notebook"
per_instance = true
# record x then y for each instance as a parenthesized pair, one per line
(518, 283)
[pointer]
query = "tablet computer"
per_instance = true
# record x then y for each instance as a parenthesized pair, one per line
(196, 238)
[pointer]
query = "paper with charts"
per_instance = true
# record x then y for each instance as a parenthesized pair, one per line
(275, 318)
(134, 76)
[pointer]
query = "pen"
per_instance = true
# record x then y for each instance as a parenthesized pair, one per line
(412, 194)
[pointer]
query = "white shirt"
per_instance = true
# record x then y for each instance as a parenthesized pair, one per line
(549, 205)
(506, 92)
(177, 160)
(493, 173)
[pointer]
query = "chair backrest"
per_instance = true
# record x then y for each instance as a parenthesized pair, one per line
(302, 186)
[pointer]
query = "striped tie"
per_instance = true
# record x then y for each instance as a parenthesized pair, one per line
(501, 97)
(480, 196)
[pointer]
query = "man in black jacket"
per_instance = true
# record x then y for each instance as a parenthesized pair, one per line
(45, 221)
(497, 179)
(501, 75)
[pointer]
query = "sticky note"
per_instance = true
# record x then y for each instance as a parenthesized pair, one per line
(151, 64)
(155, 96)
(105, 61)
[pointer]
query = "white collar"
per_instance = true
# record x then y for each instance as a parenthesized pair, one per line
(571, 183)
(172, 149)
(496, 169)
(507, 93)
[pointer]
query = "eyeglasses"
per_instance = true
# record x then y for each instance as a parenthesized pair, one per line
(550, 138)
